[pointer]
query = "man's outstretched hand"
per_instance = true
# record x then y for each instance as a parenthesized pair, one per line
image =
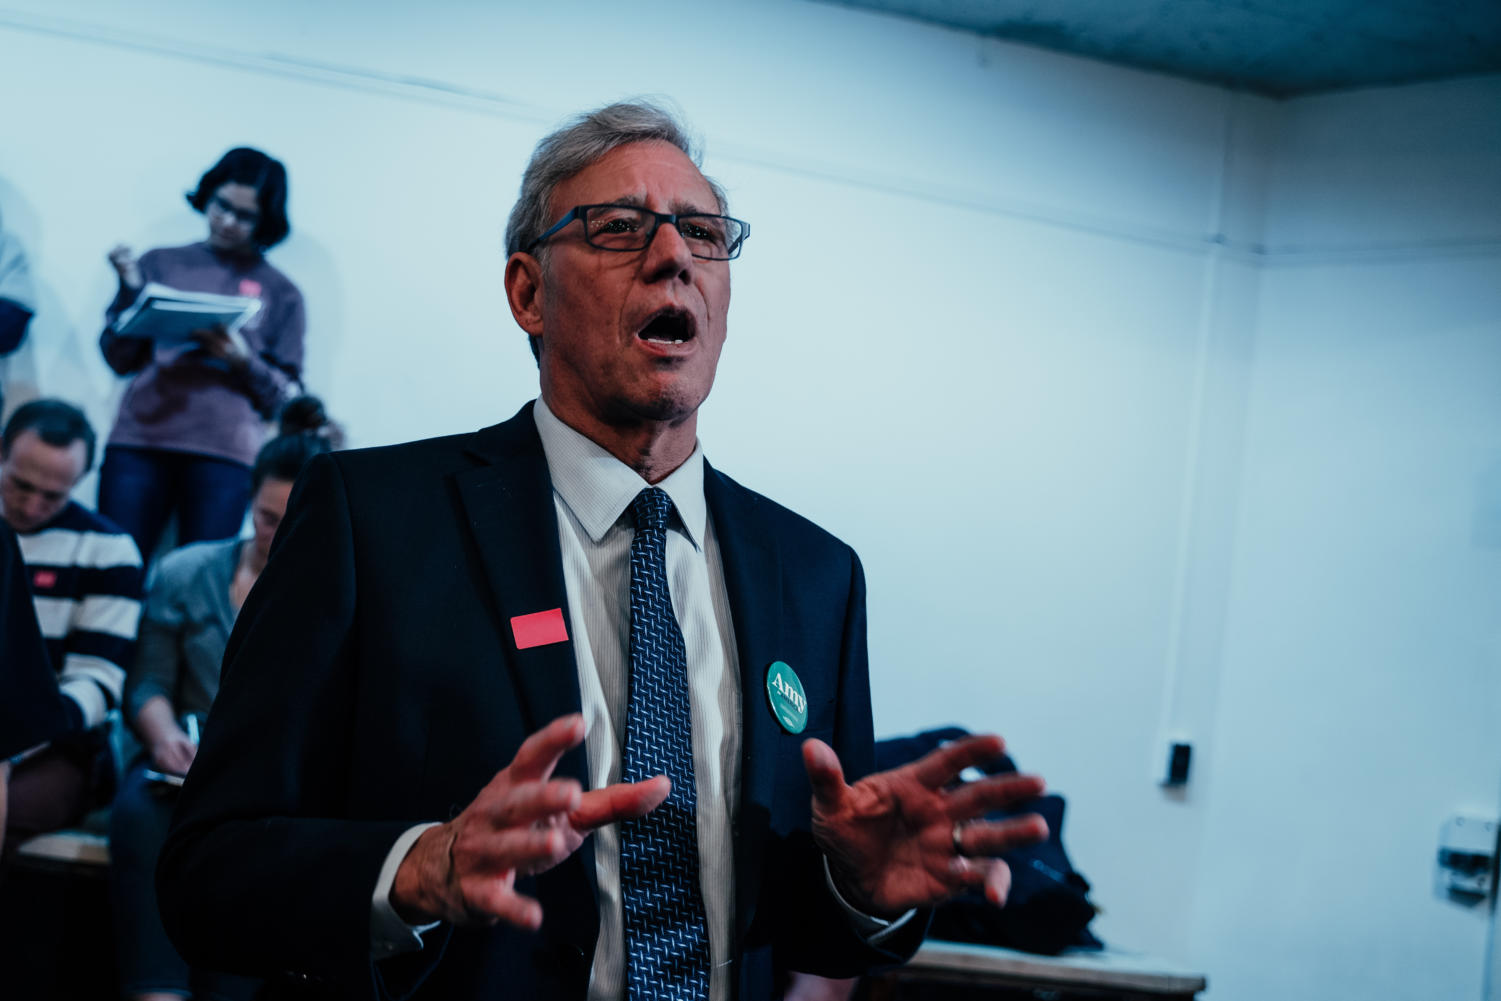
(522, 823)
(891, 837)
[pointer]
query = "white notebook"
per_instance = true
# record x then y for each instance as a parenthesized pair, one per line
(169, 316)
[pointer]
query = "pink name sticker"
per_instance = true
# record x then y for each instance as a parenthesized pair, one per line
(539, 629)
(250, 288)
(43, 580)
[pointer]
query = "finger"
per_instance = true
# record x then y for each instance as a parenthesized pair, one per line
(942, 766)
(825, 773)
(539, 753)
(523, 804)
(498, 899)
(993, 875)
(623, 801)
(990, 838)
(975, 799)
(997, 881)
(518, 849)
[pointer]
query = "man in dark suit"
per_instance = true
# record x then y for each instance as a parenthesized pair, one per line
(467, 655)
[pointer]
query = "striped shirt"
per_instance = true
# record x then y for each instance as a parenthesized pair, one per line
(85, 578)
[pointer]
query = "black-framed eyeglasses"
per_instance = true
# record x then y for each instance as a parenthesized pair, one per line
(247, 216)
(631, 227)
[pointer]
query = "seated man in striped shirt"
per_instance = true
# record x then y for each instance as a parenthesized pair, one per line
(85, 576)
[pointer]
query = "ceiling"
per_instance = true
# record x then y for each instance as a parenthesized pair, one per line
(1281, 48)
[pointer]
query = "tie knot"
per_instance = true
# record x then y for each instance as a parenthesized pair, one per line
(650, 509)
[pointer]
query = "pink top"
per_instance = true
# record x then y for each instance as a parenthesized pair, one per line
(187, 401)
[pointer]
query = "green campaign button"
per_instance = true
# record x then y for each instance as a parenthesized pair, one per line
(789, 703)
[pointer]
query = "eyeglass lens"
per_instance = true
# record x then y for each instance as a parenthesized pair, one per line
(244, 216)
(617, 227)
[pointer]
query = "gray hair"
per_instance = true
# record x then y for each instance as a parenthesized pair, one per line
(579, 143)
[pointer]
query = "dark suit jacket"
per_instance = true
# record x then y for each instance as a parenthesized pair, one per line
(372, 682)
(33, 710)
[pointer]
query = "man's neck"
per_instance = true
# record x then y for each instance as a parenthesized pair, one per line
(251, 561)
(652, 448)
(35, 528)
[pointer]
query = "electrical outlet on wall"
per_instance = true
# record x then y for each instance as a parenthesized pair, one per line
(1467, 858)
(1177, 759)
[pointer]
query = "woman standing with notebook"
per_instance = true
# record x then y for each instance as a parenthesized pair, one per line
(193, 416)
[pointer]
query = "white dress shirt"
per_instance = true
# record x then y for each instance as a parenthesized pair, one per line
(593, 491)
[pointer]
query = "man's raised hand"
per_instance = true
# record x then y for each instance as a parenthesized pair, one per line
(911, 837)
(523, 822)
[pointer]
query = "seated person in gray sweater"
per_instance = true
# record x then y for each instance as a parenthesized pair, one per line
(190, 609)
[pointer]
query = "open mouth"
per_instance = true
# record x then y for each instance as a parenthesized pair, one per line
(668, 326)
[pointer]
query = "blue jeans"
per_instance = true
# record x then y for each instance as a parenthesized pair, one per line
(137, 829)
(139, 488)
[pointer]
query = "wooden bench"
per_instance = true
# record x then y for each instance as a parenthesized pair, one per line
(55, 916)
(990, 971)
(79, 851)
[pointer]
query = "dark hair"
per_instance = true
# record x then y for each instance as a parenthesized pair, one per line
(283, 457)
(301, 413)
(306, 414)
(243, 165)
(56, 422)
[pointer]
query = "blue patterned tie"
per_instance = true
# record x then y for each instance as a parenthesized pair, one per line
(666, 936)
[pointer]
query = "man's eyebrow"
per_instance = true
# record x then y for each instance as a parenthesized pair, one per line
(630, 201)
(678, 207)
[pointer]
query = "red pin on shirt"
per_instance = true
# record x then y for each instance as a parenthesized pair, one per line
(539, 628)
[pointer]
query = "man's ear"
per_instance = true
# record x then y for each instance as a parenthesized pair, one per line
(524, 292)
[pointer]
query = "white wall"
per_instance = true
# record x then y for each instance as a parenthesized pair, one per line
(1018, 290)
(1360, 693)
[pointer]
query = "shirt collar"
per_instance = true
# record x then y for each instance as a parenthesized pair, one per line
(597, 487)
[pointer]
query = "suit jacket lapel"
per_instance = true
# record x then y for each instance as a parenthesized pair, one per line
(753, 584)
(508, 504)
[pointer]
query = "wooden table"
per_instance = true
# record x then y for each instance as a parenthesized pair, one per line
(79, 851)
(942, 969)
(55, 918)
